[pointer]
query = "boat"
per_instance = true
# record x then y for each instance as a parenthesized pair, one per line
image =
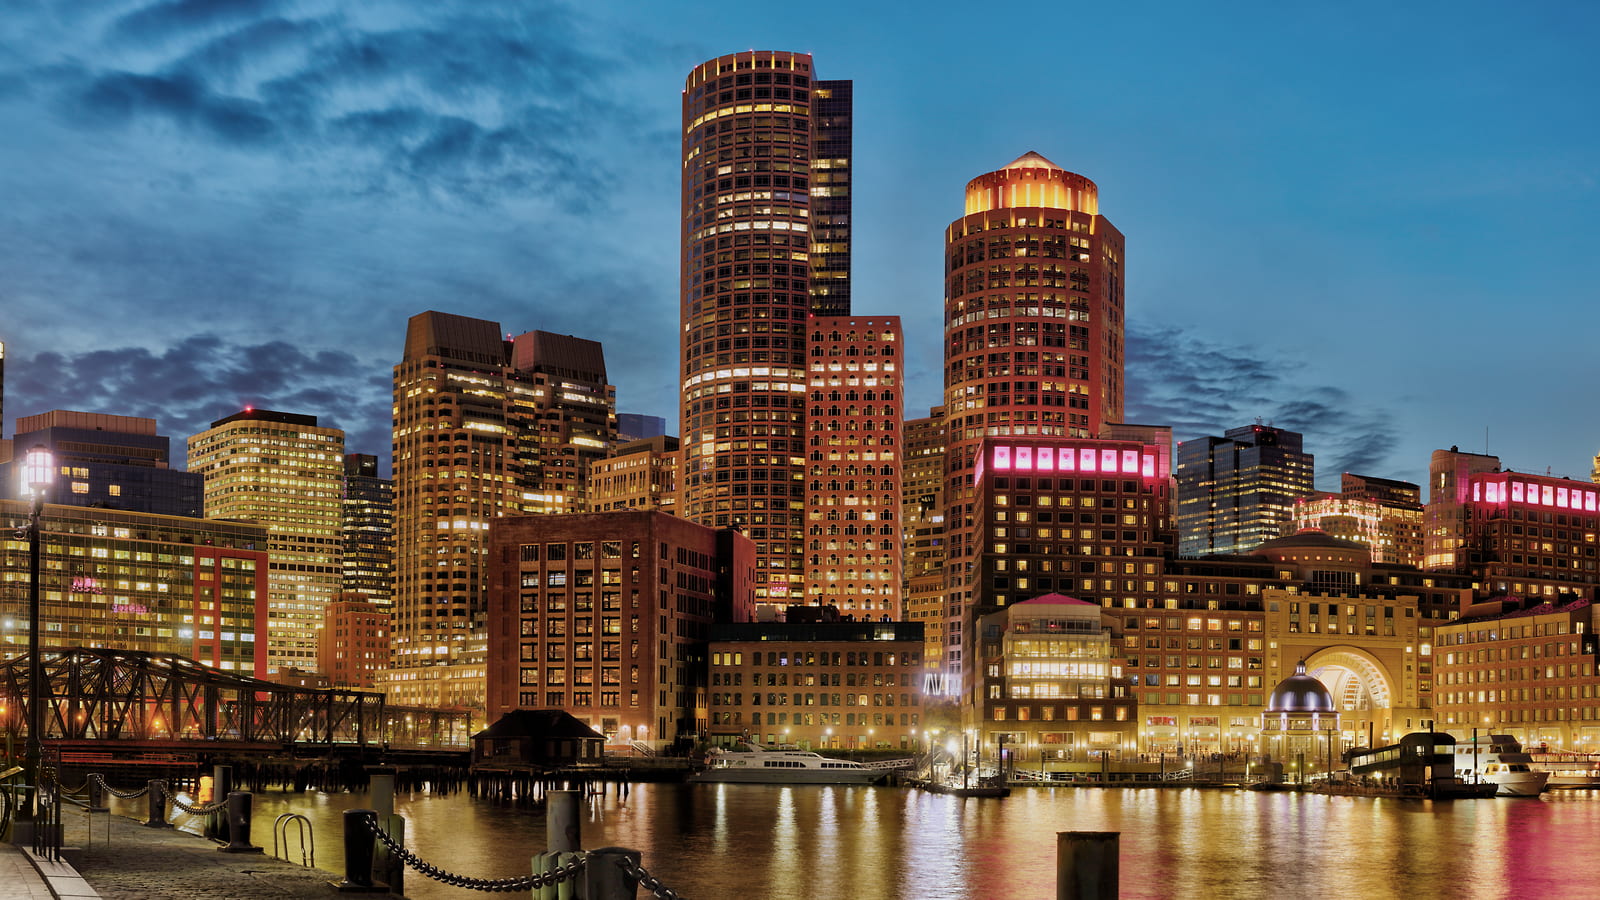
(1568, 770)
(1498, 759)
(748, 763)
(1419, 766)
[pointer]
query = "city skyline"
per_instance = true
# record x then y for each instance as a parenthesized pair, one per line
(308, 178)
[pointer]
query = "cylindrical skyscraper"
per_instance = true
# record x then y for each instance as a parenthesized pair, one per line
(746, 288)
(1033, 331)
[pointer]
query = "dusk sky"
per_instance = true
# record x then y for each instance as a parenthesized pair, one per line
(1374, 223)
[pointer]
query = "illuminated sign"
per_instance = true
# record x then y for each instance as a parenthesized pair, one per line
(1501, 489)
(1110, 461)
(86, 586)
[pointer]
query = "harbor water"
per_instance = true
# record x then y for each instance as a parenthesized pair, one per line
(709, 841)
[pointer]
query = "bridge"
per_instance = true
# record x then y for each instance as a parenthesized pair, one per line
(98, 699)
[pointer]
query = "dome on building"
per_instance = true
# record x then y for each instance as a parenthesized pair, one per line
(1300, 693)
(1313, 546)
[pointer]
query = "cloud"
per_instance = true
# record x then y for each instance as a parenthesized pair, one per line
(1202, 387)
(204, 378)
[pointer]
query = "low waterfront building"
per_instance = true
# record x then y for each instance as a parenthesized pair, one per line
(1049, 685)
(606, 616)
(1527, 667)
(827, 684)
(1300, 725)
(538, 738)
(125, 580)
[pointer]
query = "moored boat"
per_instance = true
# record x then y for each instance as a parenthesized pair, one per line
(1499, 759)
(753, 764)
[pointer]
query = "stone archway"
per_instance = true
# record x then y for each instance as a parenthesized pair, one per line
(1364, 689)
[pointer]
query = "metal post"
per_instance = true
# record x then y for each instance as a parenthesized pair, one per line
(603, 879)
(562, 829)
(381, 792)
(157, 804)
(358, 844)
(35, 748)
(239, 808)
(1087, 865)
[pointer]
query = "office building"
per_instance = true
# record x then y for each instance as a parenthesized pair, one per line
(1519, 535)
(368, 527)
(922, 531)
(353, 645)
(1385, 515)
(752, 241)
(853, 461)
(640, 474)
(606, 616)
(123, 580)
(638, 427)
(1238, 491)
(1034, 333)
(112, 462)
(484, 427)
(826, 684)
(286, 472)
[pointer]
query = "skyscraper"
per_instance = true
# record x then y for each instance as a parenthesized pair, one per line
(484, 427)
(752, 123)
(1033, 332)
(368, 531)
(286, 472)
(113, 462)
(854, 548)
(1238, 491)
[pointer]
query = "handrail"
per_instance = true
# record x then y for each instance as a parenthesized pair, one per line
(307, 838)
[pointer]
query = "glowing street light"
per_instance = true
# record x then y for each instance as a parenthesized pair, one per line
(38, 471)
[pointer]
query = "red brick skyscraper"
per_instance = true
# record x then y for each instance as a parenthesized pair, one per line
(749, 145)
(1033, 331)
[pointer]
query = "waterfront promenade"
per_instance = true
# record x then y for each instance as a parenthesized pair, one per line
(139, 863)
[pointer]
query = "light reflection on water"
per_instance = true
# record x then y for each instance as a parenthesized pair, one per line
(757, 841)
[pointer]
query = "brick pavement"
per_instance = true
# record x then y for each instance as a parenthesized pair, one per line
(140, 863)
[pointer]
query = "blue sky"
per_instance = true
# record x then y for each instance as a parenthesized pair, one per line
(1374, 223)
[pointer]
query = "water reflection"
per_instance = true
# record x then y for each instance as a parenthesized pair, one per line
(827, 842)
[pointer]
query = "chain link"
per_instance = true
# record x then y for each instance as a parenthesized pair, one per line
(646, 880)
(99, 779)
(172, 795)
(524, 883)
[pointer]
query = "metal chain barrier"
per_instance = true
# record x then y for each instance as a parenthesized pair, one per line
(99, 779)
(524, 883)
(172, 795)
(646, 880)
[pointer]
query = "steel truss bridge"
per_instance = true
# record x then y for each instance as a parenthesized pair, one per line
(121, 698)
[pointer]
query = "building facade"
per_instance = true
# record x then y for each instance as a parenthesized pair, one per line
(1385, 515)
(484, 427)
(640, 474)
(854, 548)
(138, 581)
(1034, 334)
(286, 472)
(112, 462)
(1238, 491)
(752, 123)
(922, 532)
(353, 646)
(825, 684)
(606, 616)
(368, 531)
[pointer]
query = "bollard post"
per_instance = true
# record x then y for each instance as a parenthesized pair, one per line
(358, 844)
(381, 792)
(1087, 865)
(562, 830)
(603, 879)
(157, 804)
(238, 817)
(97, 796)
(221, 786)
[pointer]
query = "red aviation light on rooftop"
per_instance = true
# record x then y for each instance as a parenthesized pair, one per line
(1031, 182)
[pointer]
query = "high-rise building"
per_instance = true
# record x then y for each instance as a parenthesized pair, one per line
(1033, 332)
(752, 123)
(922, 530)
(606, 616)
(637, 427)
(1238, 491)
(286, 472)
(1520, 535)
(1385, 515)
(113, 462)
(368, 531)
(641, 474)
(484, 427)
(125, 580)
(854, 546)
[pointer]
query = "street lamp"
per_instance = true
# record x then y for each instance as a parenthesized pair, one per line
(37, 474)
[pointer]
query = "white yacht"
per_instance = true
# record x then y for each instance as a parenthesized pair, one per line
(1499, 759)
(1569, 770)
(754, 764)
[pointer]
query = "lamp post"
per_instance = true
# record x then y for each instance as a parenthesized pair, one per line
(37, 472)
